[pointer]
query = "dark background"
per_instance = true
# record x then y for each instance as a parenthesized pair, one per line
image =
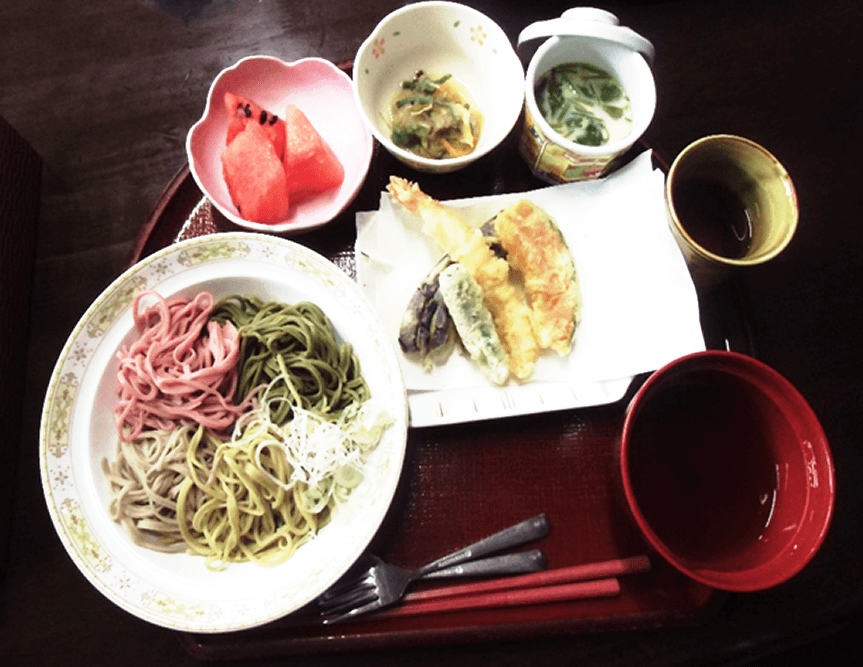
(104, 91)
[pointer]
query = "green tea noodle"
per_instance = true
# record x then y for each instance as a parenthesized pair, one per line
(272, 487)
(296, 342)
(246, 516)
(145, 480)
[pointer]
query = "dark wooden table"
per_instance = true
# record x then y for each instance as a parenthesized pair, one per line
(105, 91)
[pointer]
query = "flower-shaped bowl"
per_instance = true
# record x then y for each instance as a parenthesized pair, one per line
(323, 93)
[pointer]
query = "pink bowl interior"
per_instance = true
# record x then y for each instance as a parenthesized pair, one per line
(727, 471)
(323, 93)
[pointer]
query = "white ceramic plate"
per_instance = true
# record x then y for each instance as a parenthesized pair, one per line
(177, 590)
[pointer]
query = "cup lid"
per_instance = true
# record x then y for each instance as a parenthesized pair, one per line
(589, 22)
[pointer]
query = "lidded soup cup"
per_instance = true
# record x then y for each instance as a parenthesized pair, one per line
(595, 38)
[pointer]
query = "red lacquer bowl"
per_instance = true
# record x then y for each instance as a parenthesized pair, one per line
(727, 471)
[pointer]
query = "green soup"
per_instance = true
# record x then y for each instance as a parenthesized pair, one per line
(584, 104)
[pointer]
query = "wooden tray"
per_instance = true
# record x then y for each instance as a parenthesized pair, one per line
(466, 481)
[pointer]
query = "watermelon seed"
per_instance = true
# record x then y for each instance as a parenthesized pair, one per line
(248, 111)
(263, 118)
(273, 119)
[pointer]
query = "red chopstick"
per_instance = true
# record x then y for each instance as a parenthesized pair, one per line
(567, 583)
(508, 598)
(562, 575)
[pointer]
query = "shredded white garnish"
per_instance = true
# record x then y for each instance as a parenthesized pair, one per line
(325, 456)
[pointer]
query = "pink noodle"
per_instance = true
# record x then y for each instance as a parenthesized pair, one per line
(182, 370)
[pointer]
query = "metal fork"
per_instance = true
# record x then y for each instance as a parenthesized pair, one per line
(383, 580)
(383, 584)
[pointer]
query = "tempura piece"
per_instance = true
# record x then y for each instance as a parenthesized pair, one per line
(536, 248)
(512, 316)
(426, 330)
(473, 321)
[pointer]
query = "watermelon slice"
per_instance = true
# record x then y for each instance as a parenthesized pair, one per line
(243, 112)
(255, 176)
(311, 166)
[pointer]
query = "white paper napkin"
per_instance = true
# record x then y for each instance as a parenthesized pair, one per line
(640, 308)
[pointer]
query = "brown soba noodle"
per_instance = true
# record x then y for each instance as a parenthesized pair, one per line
(145, 481)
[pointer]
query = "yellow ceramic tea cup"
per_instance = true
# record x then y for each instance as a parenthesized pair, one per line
(731, 204)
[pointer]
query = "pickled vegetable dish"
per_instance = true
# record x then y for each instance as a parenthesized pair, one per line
(433, 117)
(584, 104)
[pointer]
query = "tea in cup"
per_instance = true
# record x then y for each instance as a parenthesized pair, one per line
(731, 204)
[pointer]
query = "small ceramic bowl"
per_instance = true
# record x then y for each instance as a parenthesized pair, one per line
(324, 94)
(440, 38)
(727, 471)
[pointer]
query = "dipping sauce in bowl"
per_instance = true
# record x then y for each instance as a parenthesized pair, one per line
(727, 471)
(719, 486)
